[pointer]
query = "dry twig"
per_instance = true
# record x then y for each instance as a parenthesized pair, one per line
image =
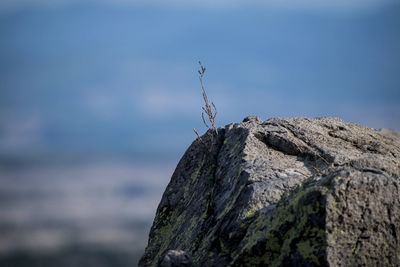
(210, 110)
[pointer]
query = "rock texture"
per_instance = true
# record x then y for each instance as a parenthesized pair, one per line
(284, 192)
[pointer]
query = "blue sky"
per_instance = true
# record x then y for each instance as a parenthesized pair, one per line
(118, 78)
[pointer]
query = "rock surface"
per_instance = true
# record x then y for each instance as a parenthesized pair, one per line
(176, 258)
(284, 192)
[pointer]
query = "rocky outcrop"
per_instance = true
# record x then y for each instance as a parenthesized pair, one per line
(284, 192)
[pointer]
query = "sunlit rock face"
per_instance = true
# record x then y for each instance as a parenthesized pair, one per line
(283, 192)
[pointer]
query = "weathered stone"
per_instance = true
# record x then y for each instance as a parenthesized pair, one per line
(284, 192)
(176, 258)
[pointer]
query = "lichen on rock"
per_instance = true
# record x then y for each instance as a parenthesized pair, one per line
(283, 192)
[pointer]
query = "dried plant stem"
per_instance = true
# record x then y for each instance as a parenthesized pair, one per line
(210, 110)
(327, 163)
(315, 168)
(209, 149)
(208, 107)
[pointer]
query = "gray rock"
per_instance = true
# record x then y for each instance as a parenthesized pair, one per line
(284, 192)
(176, 258)
(252, 119)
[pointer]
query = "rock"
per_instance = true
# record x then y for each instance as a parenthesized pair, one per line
(284, 192)
(176, 258)
(252, 118)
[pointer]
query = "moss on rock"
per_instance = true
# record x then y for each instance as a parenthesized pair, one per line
(285, 192)
(294, 233)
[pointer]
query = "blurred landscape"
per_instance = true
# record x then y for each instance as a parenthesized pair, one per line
(98, 101)
(86, 214)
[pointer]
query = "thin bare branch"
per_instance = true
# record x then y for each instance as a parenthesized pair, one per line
(315, 168)
(209, 109)
(204, 120)
(209, 149)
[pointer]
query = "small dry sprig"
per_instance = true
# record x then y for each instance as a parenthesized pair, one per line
(210, 110)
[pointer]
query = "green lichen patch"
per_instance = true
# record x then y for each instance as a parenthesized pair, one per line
(182, 231)
(180, 227)
(306, 249)
(227, 140)
(193, 178)
(251, 212)
(234, 148)
(295, 233)
(230, 204)
(237, 176)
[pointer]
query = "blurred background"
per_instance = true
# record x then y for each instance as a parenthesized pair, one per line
(98, 100)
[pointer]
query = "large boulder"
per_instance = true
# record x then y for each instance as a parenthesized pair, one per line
(284, 192)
